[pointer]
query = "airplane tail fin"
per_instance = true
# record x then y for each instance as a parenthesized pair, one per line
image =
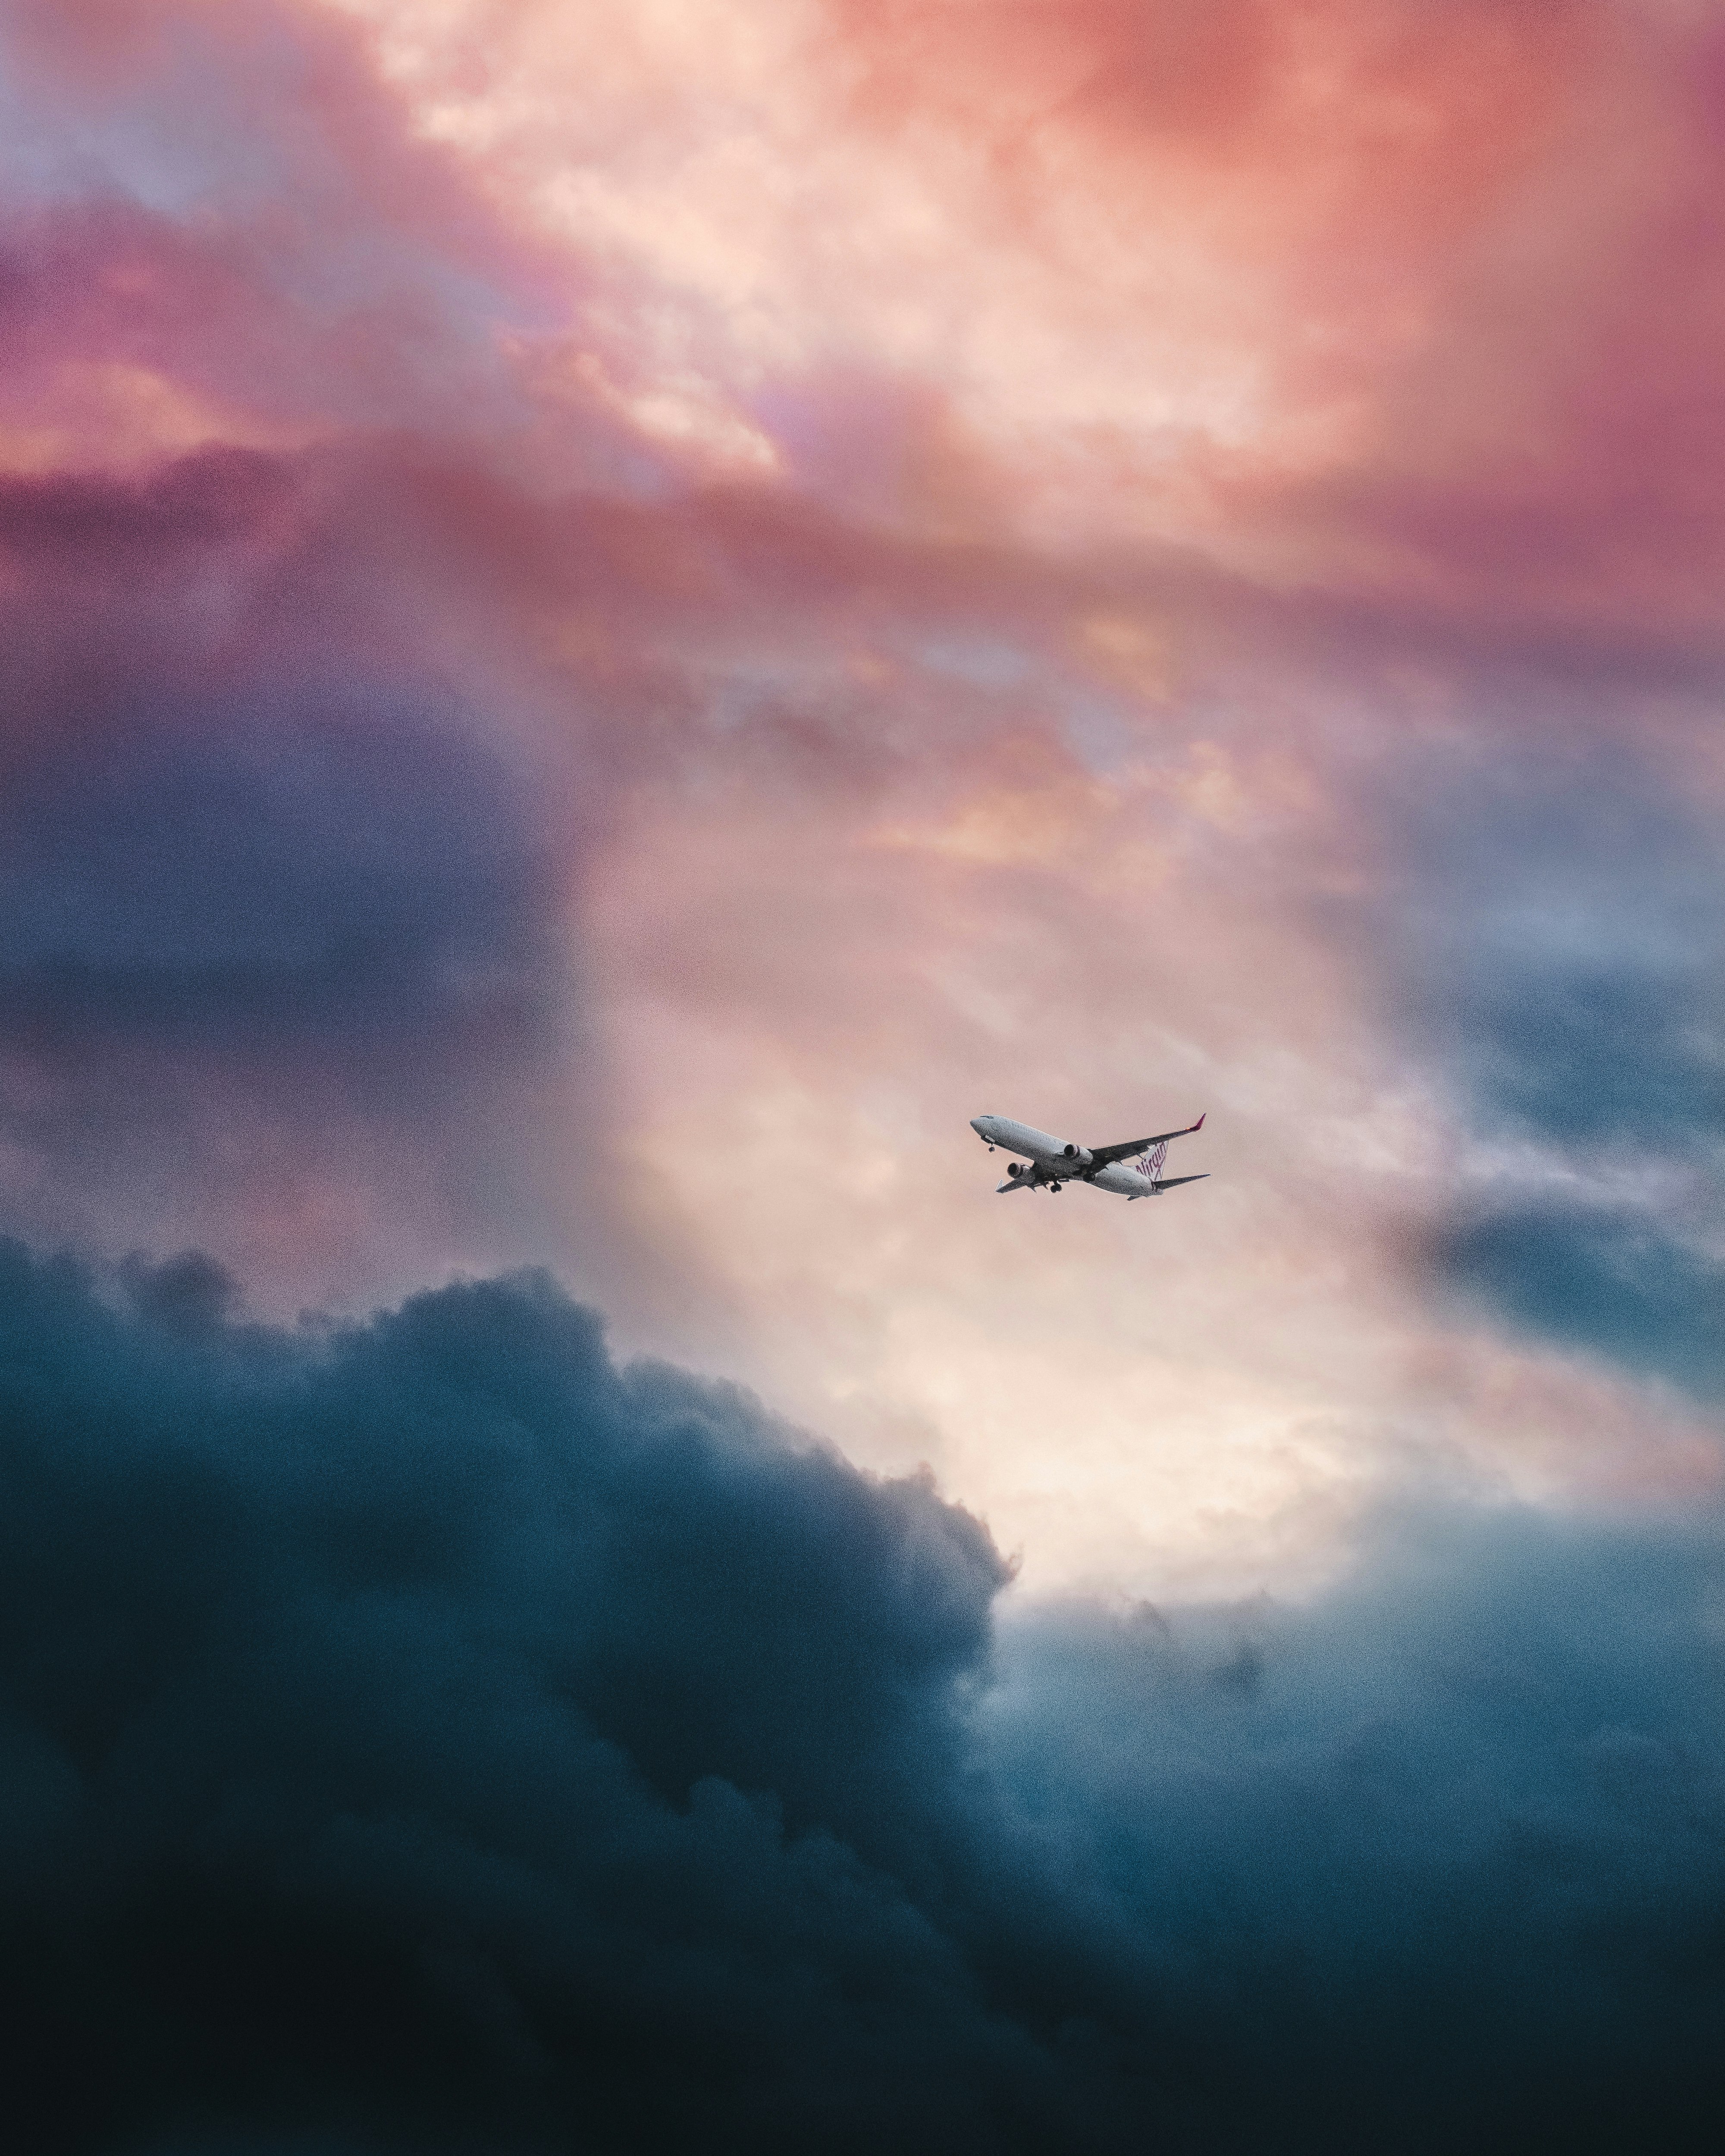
(1152, 1163)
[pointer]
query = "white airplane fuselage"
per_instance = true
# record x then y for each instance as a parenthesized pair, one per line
(1055, 1161)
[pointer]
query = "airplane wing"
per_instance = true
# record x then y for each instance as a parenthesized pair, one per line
(1017, 1182)
(1104, 1156)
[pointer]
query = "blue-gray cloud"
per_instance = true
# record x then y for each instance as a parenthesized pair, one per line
(274, 902)
(1556, 930)
(309, 868)
(421, 1734)
(1556, 938)
(1601, 1278)
(221, 824)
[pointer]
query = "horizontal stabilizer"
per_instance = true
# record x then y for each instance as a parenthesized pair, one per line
(1173, 1182)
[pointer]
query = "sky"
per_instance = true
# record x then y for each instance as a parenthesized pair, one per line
(616, 617)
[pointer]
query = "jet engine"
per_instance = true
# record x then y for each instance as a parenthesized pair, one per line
(1080, 1156)
(1015, 1168)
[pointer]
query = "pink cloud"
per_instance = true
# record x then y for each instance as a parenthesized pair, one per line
(901, 561)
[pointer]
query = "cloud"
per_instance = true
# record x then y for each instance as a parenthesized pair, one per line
(423, 1733)
(280, 906)
(287, 863)
(1571, 976)
(269, 863)
(1609, 1282)
(474, 1742)
(613, 622)
(1556, 941)
(1404, 1848)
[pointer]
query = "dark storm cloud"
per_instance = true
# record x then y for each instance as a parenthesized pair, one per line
(423, 1735)
(430, 1730)
(1438, 1861)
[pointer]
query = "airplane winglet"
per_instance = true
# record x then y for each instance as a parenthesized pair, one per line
(1198, 1125)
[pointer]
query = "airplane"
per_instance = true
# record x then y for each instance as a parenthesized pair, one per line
(1052, 1164)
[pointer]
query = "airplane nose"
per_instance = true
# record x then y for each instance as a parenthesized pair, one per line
(976, 1124)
